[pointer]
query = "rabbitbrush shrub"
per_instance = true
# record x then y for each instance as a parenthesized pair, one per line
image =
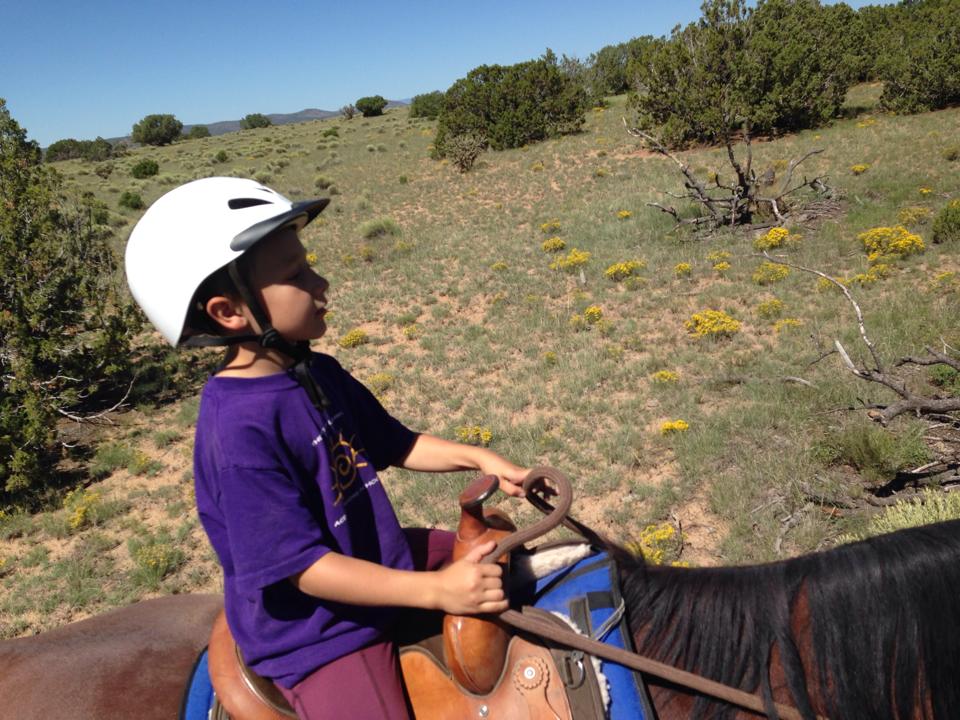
(946, 225)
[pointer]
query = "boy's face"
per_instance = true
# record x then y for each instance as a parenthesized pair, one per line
(292, 294)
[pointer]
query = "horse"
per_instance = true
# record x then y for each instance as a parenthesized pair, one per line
(866, 630)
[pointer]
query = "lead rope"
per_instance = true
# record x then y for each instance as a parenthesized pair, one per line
(558, 515)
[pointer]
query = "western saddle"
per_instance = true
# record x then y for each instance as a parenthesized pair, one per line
(474, 668)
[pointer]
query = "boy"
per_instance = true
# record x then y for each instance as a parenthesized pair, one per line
(287, 449)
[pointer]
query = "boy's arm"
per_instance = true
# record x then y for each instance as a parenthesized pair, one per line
(461, 588)
(432, 454)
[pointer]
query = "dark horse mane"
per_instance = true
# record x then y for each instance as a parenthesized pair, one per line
(884, 624)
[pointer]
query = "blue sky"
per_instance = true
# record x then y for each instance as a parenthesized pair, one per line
(82, 69)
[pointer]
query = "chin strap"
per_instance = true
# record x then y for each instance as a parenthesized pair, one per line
(268, 338)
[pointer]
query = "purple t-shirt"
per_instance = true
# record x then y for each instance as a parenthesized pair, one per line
(279, 485)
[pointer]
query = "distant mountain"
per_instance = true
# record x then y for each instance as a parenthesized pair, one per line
(226, 126)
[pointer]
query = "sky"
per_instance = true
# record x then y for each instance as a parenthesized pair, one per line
(82, 69)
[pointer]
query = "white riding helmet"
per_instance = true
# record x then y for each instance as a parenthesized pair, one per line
(193, 231)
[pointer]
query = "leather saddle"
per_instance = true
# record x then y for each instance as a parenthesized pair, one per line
(471, 668)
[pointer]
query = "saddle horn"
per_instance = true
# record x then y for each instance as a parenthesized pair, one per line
(475, 648)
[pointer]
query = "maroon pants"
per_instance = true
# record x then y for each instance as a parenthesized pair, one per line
(367, 683)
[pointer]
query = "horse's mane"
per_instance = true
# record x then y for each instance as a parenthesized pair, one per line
(884, 624)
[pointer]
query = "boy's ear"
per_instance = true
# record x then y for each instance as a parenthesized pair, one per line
(227, 313)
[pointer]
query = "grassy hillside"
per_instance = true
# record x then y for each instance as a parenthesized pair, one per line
(468, 330)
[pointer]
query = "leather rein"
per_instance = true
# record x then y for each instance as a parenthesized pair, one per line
(558, 514)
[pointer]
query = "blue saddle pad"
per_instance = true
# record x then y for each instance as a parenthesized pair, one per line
(589, 594)
(198, 697)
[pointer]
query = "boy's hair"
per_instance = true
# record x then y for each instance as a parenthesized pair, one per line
(219, 282)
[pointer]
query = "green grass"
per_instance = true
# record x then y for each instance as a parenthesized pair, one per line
(446, 274)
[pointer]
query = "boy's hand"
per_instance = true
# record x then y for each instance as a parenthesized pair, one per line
(468, 586)
(511, 476)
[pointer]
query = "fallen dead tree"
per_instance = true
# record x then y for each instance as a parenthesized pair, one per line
(909, 400)
(748, 199)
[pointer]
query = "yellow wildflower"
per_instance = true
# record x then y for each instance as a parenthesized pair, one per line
(623, 270)
(682, 269)
(786, 323)
(474, 435)
(770, 309)
(354, 338)
(859, 169)
(593, 314)
(768, 273)
(665, 377)
(890, 243)
(673, 426)
(553, 244)
(573, 261)
(624, 214)
(712, 323)
(773, 238)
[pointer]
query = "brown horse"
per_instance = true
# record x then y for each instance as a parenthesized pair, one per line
(868, 630)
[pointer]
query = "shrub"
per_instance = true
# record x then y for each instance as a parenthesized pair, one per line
(331, 132)
(712, 323)
(64, 321)
(428, 105)
(553, 244)
(371, 105)
(574, 260)
(914, 215)
(131, 200)
(672, 427)
(322, 182)
(348, 111)
(157, 130)
(890, 243)
(145, 168)
(768, 273)
(770, 309)
(783, 65)
(353, 338)
(952, 154)
(786, 324)
(255, 120)
(946, 225)
(474, 435)
(920, 65)
(198, 132)
(877, 453)
(69, 149)
(379, 383)
(511, 106)
(464, 149)
(665, 377)
(930, 506)
(379, 227)
(623, 270)
(154, 558)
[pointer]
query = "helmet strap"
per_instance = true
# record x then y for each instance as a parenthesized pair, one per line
(270, 339)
